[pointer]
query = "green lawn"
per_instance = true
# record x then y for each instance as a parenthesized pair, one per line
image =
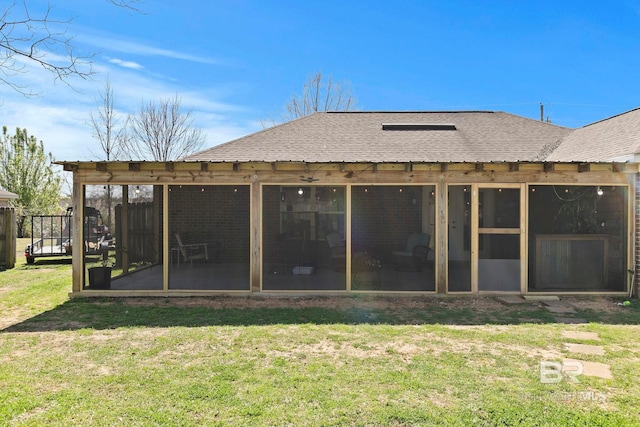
(300, 361)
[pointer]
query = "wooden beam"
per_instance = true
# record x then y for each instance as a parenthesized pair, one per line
(169, 166)
(444, 167)
(514, 167)
(584, 167)
(68, 167)
(204, 166)
(408, 167)
(617, 167)
(101, 167)
(479, 167)
(134, 167)
(549, 167)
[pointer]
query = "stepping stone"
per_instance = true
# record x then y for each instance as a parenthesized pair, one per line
(584, 349)
(593, 369)
(511, 300)
(561, 309)
(571, 320)
(541, 298)
(580, 335)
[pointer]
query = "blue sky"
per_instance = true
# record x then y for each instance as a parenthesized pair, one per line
(235, 63)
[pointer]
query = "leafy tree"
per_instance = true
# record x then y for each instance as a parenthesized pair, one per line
(26, 170)
(163, 132)
(33, 36)
(319, 93)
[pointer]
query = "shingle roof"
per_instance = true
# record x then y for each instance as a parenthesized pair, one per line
(4, 194)
(479, 136)
(614, 139)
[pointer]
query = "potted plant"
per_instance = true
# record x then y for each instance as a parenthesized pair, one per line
(100, 276)
(365, 271)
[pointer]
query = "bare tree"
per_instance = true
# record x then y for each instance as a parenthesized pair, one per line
(110, 132)
(34, 37)
(320, 94)
(106, 126)
(162, 132)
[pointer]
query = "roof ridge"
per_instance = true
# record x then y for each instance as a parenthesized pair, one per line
(611, 117)
(411, 112)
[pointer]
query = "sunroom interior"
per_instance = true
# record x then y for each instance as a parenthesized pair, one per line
(521, 238)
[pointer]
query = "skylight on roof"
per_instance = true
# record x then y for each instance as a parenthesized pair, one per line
(418, 126)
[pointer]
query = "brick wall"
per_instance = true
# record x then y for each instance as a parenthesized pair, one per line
(219, 215)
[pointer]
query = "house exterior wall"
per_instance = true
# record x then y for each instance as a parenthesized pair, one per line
(251, 175)
(215, 216)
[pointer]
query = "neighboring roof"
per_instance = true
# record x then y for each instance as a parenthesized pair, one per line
(437, 137)
(4, 195)
(614, 139)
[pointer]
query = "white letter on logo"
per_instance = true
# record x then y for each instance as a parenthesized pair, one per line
(572, 369)
(550, 372)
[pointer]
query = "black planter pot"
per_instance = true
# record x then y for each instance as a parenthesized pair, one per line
(100, 278)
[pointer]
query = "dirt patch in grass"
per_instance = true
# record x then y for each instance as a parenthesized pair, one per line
(599, 304)
(481, 303)
(333, 302)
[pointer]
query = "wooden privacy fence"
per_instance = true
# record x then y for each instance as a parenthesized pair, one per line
(137, 237)
(7, 238)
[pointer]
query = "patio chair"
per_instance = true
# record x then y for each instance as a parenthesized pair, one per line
(192, 251)
(414, 257)
(338, 251)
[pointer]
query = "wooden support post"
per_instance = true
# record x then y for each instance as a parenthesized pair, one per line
(124, 229)
(256, 236)
(77, 254)
(441, 234)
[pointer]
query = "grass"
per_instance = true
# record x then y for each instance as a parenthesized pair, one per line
(300, 361)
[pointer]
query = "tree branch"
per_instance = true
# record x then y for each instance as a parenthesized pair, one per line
(29, 38)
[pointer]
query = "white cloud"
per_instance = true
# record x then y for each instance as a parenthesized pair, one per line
(126, 64)
(60, 115)
(109, 42)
